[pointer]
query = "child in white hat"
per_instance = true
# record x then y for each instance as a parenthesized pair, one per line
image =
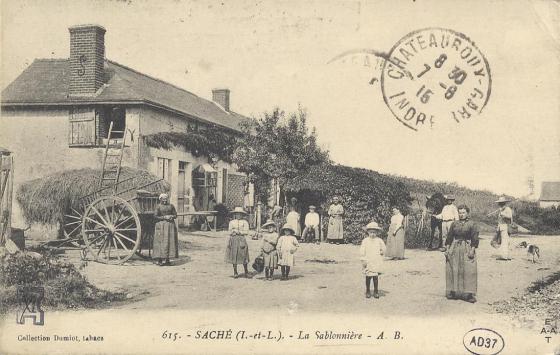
(371, 255)
(287, 246)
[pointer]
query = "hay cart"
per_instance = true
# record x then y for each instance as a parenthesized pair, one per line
(115, 221)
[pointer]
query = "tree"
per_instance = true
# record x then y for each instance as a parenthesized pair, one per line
(277, 147)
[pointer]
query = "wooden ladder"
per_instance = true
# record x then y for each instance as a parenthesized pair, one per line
(111, 169)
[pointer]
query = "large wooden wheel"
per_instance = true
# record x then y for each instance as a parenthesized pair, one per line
(72, 225)
(111, 230)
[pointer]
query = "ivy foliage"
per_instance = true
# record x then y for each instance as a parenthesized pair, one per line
(211, 141)
(365, 195)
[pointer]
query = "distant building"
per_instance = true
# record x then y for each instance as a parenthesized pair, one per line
(550, 194)
(56, 114)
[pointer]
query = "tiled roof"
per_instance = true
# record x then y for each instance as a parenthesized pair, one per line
(550, 191)
(46, 81)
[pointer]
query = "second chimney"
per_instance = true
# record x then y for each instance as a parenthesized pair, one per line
(221, 97)
(87, 59)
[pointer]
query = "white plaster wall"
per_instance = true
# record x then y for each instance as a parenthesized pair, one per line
(547, 204)
(38, 140)
(155, 121)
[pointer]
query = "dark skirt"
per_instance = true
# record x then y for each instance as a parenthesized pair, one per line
(237, 250)
(271, 259)
(460, 271)
(166, 241)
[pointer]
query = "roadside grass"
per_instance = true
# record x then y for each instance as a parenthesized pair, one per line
(64, 286)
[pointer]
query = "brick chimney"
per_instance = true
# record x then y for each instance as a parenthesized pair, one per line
(221, 97)
(87, 58)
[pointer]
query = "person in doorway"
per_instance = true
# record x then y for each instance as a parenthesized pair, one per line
(448, 215)
(287, 246)
(395, 236)
(311, 223)
(239, 224)
(335, 231)
(209, 220)
(460, 258)
(276, 216)
(270, 254)
(371, 255)
(505, 219)
(211, 203)
(237, 252)
(293, 220)
(166, 242)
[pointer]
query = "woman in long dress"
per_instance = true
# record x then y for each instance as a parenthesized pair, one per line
(166, 242)
(335, 231)
(293, 220)
(287, 246)
(460, 254)
(395, 236)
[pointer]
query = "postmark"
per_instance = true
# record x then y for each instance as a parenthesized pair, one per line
(435, 75)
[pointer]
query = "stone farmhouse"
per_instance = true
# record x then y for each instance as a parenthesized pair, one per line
(550, 194)
(56, 113)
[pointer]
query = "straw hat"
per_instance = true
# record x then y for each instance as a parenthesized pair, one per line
(162, 196)
(449, 197)
(268, 223)
(287, 226)
(502, 199)
(238, 210)
(374, 226)
(311, 207)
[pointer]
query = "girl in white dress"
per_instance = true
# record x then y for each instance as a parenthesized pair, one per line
(371, 255)
(286, 247)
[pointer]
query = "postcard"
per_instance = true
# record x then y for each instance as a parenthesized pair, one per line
(293, 177)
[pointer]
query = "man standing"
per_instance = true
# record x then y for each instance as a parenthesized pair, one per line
(448, 214)
(505, 218)
(311, 223)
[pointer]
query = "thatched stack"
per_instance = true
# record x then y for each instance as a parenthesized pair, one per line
(46, 200)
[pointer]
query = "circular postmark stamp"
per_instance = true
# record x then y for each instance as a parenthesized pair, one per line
(435, 74)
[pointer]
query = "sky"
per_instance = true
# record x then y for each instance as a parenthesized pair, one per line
(280, 54)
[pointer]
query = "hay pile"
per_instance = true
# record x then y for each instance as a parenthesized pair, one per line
(46, 200)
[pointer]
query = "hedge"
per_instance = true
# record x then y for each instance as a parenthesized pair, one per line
(365, 195)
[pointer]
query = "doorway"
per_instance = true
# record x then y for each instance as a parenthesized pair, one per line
(184, 195)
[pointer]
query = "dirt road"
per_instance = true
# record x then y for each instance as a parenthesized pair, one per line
(411, 287)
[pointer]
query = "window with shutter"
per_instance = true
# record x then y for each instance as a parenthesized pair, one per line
(82, 127)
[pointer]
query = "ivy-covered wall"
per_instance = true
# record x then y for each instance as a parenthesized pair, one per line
(365, 195)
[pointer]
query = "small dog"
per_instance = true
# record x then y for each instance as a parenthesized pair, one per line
(533, 251)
